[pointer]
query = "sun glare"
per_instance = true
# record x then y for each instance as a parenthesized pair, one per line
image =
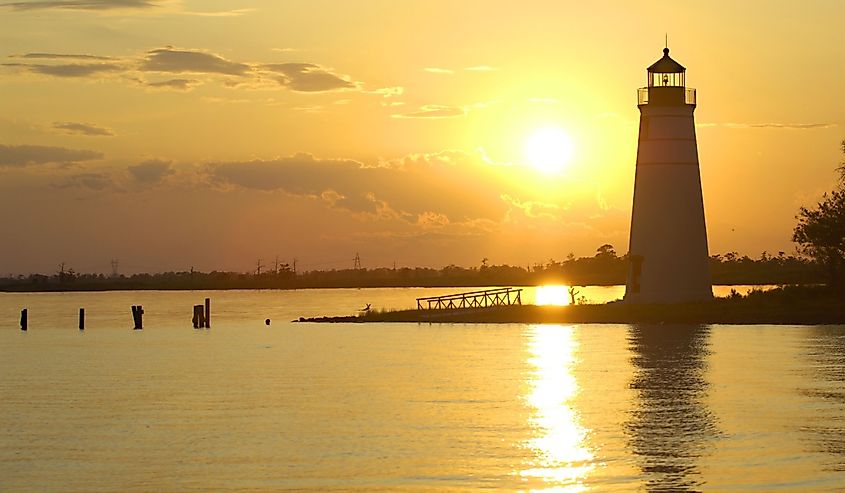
(549, 150)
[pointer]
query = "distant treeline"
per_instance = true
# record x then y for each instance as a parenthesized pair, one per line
(604, 268)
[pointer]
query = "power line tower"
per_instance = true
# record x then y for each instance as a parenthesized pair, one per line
(258, 267)
(115, 263)
(276, 265)
(294, 266)
(357, 262)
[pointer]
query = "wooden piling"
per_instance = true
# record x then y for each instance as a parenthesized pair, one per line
(82, 319)
(24, 314)
(138, 317)
(199, 318)
(207, 315)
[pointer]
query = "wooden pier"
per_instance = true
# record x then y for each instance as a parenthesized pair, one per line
(472, 299)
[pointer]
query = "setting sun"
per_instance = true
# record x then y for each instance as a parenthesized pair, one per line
(549, 150)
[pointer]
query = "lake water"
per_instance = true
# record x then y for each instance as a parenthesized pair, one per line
(406, 407)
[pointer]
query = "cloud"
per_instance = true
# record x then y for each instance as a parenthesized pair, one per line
(174, 84)
(299, 77)
(430, 220)
(389, 92)
(83, 129)
(533, 208)
(403, 189)
(92, 181)
(69, 70)
(179, 61)
(798, 126)
(61, 56)
(300, 174)
(32, 154)
(219, 13)
(81, 4)
(308, 77)
(481, 68)
(151, 171)
(437, 70)
(434, 111)
(785, 125)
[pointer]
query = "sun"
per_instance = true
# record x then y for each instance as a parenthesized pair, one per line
(549, 150)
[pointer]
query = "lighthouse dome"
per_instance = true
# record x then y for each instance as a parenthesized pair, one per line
(666, 65)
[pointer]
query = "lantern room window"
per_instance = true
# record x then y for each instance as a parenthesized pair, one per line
(666, 79)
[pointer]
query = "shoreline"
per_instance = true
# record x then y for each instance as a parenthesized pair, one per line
(590, 314)
(796, 305)
(100, 289)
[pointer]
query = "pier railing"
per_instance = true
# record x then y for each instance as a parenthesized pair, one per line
(472, 299)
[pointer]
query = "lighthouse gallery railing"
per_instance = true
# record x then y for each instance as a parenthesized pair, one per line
(642, 95)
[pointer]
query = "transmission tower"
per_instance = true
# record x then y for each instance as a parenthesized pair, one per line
(115, 263)
(357, 262)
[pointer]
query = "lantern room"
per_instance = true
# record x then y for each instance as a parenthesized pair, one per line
(666, 72)
(666, 84)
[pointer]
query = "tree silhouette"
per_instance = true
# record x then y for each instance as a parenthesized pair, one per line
(820, 232)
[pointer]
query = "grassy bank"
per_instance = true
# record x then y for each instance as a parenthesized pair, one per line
(808, 305)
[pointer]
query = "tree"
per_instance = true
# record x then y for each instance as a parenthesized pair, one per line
(820, 232)
(606, 250)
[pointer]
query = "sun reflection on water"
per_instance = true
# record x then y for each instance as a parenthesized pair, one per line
(562, 460)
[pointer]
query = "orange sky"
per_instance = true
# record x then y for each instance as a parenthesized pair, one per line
(171, 134)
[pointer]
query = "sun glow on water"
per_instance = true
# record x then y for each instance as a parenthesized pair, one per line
(563, 459)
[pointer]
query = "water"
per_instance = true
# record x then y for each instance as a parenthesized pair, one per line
(406, 407)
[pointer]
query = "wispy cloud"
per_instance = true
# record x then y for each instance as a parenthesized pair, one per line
(389, 92)
(532, 208)
(797, 126)
(434, 111)
(179, 61)
(308, 77)
(402, 190)
(174, 84)
(24, 155)
(437, 70)
(481, 68)
(296, 76)
(83, 129)
(90, 180)
(69, 70)
(781, 125)
(81, 4)
(219, 13)
(61, 56)
(152, 171)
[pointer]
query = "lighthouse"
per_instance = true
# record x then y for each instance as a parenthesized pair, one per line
(668, 257)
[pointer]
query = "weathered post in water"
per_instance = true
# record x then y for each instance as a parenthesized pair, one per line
(207, 316)
(23, 320)
(199, 318)
(82, 319)
(138, 317)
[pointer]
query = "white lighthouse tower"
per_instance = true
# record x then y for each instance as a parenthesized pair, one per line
(668, 248)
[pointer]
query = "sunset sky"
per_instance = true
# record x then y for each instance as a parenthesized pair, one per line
(174, 134)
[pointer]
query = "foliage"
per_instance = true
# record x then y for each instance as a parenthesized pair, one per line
(603, 268)
(820, 232)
